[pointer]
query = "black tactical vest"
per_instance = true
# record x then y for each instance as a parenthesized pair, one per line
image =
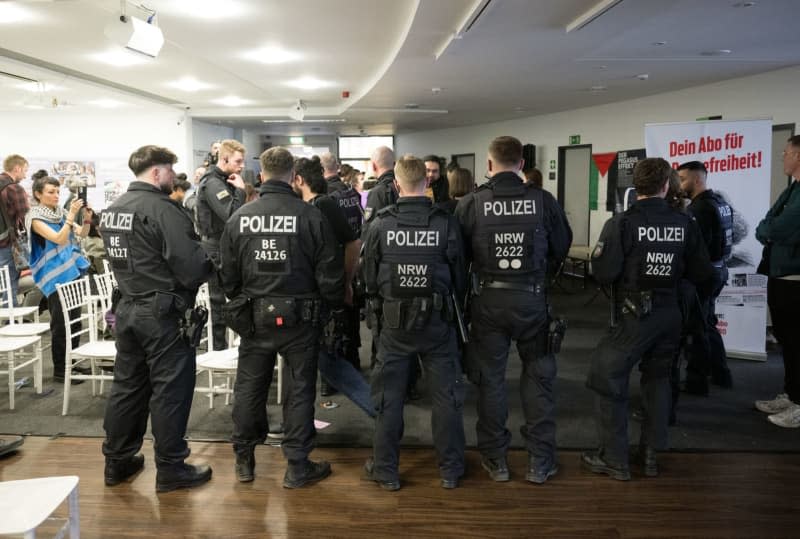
(509, 242)
(349, 201)
(726, 223)
(414, 261)
(654, 260)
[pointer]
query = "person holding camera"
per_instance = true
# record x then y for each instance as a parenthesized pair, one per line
(281, 263)
(55, 258)
(513, 230)
(159, 264)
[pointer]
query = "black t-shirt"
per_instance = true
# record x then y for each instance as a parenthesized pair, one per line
(336, 217)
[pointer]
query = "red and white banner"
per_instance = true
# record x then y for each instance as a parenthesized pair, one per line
(737, 156)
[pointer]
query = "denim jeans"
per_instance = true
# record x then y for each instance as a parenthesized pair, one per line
(341, 374)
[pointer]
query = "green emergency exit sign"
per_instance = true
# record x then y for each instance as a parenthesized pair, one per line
(574, 139)
(552, 164)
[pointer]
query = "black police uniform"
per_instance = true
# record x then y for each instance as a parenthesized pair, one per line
(707, 354)
(335, 183)
(344, 234)
(159, 264)
(349, 202)
(512, 230)
(644, 253)
(413, 261)
(278, 253)
(216, 201)
(382, 195)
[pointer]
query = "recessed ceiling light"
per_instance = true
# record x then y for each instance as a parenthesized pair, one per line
(272, 55)
(207, 9)
(659, 43)
(308, 83)
(231, 101)
(189, 84)
(598, 88)
(119, 57)
(411, 105)
(107, 103)
(436, 90)
(11, 13)
(311, 121)
(717, 52)
(601, 67)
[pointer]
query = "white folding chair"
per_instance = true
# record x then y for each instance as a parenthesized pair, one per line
(11, 346)
(26, 503)
(223, 362)
(215, 363)
(104, 283)
(78, 307)
(7, 311)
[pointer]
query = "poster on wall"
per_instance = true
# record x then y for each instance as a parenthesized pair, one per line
(106, 179)
(737, 156)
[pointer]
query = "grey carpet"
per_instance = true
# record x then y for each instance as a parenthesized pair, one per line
(724, 421)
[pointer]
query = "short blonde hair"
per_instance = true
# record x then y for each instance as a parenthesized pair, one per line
(229, 147)
(410, 171)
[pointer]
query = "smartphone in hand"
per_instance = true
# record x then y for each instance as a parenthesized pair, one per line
(82, 194)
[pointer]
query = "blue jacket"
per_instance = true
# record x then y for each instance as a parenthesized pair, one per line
(53, 264)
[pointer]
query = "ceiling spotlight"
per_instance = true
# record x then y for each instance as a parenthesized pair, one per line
(643, 76)
(436, 90)
(298, 110)
(717, 52)
(659, 43)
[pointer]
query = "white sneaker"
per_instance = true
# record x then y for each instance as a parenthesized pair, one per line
(776, 405)
(789, 418)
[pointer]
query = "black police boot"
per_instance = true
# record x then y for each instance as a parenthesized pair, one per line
(593, 461)
(539, 472)
(182, 476)
(246, 465)
(722, 379)
(497, 468)
(306, 473)
(645, 456)
(391, 484)
(118, 471)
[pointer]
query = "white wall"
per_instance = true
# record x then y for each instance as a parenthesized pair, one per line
(619, 126)
(93, 134)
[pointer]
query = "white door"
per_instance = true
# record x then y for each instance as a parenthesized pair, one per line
(576, 192)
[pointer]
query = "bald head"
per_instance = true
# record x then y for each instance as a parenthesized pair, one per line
(382, 159)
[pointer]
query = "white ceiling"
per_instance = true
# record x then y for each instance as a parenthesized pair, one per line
(515, 60)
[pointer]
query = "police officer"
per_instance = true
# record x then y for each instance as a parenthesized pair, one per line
(643, 253)
(413, 264)
(279, 261)
(220, 193)
(512, 229)
(330, 166)
(714, 217)
(349, 201)
(384, 193)
(159, 264)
